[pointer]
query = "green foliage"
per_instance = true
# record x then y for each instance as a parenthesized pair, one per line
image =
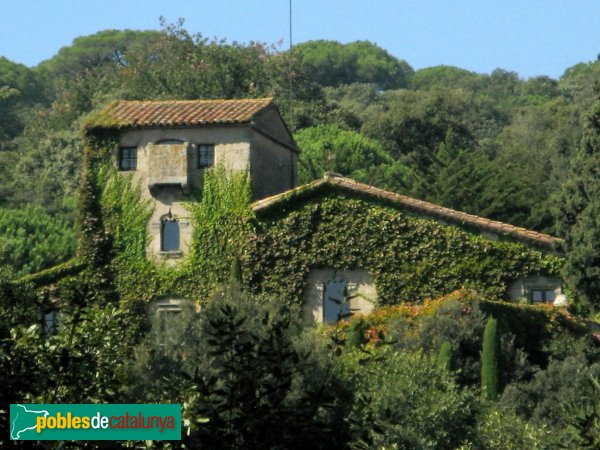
(330, 63)
(578, 215)
(429, 259)
(249, 371)
(490, 361)
(181, 65)
(220, 221)
(403, 400)
(446, 77)
(20, 89)
(81, 363)
(356, 334)
(235, 274)
(105, 48)
(32, 240)
(502, 429)
(328, 148)
(445, 356)
(563, 397)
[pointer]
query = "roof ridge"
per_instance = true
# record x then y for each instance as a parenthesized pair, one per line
(199, 100)
(169, 113)
(422, 206)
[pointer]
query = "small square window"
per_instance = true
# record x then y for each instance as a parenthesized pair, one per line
(127, 158)
(542, 295)
(206, 155)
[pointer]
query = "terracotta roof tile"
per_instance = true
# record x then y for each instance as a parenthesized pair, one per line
(180, 112)
(415, 205)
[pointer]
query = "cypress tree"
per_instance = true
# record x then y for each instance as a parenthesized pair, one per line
(235, 272)
(579, 215)
(490, 368)
(444, 358)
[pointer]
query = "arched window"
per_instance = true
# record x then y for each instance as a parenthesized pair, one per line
(169, 235)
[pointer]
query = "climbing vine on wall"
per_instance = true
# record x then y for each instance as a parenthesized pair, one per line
(409, 258)
(220, 227)
(219, 216)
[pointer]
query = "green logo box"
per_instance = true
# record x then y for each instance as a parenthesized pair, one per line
(85, 422)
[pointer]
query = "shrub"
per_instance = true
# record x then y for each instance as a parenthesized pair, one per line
(259, 379)
(564, 396)
(403, 400)
(502, 429)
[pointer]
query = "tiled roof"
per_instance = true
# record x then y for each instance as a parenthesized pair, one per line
(124, 113)
(417, 206)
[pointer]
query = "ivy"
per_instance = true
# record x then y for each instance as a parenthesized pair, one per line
(220, 227)
(410, 258)
(114, 228)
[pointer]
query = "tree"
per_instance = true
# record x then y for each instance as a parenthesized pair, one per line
(404, 400)
(32, 240)
(490, 361)
(579, 215)
(250, 369)
(328, 148)
(447, 77)
(104, 48)
(330, 63)
(445, 356)
(20, 90)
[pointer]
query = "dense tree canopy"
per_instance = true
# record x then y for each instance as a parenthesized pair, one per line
(491, 144)
(579, 214)
(330, 63)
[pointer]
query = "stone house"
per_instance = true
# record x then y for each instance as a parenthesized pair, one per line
(167, 147)
(331, 247)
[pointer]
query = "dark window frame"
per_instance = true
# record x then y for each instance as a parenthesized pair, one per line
(50, 322)
(548, 295)
(128, 159)
(206, 155)
(170, 248)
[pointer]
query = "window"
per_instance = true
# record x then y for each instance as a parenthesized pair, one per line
(165, 313)
(169, 236)
(336, 304)
(127, 158)
(170, 142)
(542, 295)
(50, 319)
(206, 155)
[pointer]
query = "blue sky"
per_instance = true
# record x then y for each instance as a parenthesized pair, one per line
(531, 37)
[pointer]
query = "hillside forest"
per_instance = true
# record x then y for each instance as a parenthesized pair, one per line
(458, 372)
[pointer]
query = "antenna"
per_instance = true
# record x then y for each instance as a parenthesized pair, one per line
(291, 69)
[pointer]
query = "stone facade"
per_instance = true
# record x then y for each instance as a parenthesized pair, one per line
(324, 289)
(169, 173)
(536, 289)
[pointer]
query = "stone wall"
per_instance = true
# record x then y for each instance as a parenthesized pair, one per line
(273, 168)
(168, 173)
(523, 287)
(360, 286)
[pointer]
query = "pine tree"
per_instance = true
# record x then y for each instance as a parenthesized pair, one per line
(490, 368)
(579, 215)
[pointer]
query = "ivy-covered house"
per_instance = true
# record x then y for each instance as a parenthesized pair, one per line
(173, 191)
